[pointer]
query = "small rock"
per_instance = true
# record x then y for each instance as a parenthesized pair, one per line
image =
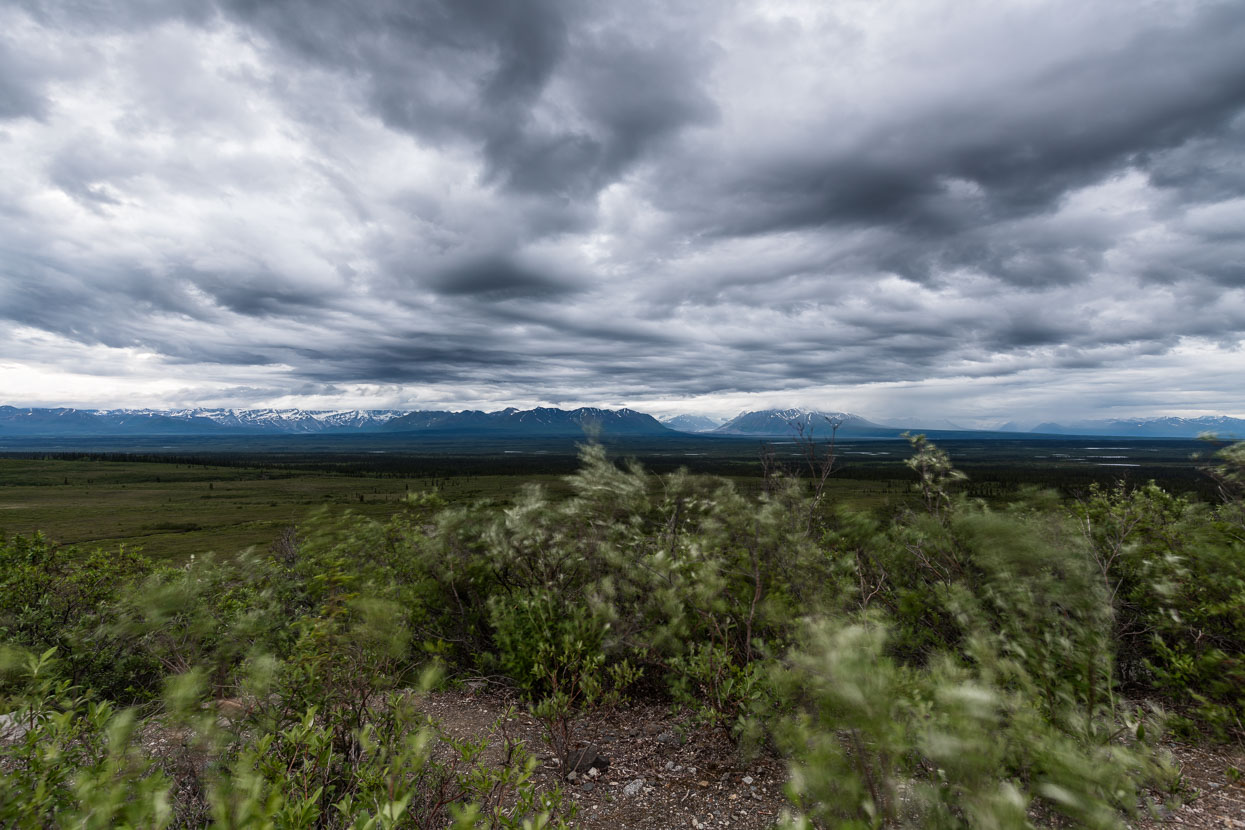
(593, 772)
(582, 760)
(572, 775)
(702, 783)
(231, 709)
(666, 737)
(747, 779)
(634, 787)
(670, 765)
(11, 728)
(589, 786)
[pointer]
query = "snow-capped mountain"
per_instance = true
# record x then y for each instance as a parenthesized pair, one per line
(544, 421)
(787, 422)
(267, 420)
(301, 420)
(538, 421)
(64, 421)
(541, 421)
(692, 423)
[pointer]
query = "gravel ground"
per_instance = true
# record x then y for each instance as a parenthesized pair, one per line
(693, 778)
(663, 772)
(1212, 799)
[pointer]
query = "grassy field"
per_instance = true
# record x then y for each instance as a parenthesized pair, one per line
(172, 508)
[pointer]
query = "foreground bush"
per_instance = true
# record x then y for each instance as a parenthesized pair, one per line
(874, 743)
(948, 665)
(69, 761)
(1173, 572)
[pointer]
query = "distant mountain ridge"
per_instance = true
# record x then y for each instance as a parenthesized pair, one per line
(776, 423)
(1159, 427)
(692, 423)
(544, 421)
(271, 420)
(538, 421)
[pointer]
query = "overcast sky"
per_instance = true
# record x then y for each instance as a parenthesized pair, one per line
(978, 211)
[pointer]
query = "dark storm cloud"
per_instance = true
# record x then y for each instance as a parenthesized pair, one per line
(96, 17)
(496, 278)
(262, 294)
(420, 360)
(479, 71)
(590, 201)
(1021, 147)
(1205, 168)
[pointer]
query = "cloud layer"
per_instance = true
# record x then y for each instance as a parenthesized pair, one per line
(981, 210)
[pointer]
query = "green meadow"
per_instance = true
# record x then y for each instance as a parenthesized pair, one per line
(174, 510)
(225, 499)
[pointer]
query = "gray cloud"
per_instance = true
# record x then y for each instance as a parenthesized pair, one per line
(496, 278)
(19, 94)
(482, 72)
(936, 170)
(484, 202)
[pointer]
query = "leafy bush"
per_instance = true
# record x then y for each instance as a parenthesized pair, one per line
(68, 760)
(52, 596)
(1173, 571)
(955, 665)
(876, 743)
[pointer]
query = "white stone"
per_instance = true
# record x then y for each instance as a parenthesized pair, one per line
(11, 729)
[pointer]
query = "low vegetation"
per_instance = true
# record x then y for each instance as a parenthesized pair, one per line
(956, 664)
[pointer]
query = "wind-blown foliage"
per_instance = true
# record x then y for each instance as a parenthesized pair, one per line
(950, 665)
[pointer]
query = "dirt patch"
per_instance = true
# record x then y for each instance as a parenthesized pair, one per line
(1213, 797)
(663, 771)
(692, 777)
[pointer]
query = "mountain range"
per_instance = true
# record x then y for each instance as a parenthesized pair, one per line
(545, 422)
(788, 423)
(692, 423)
(775, 423)
(1167, 427)
(542, 421)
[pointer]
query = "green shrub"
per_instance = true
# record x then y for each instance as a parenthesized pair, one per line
(878, 744)
(1175, 572)
(74, 763)
(53, 596)
(965, 665)
(77, 763)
